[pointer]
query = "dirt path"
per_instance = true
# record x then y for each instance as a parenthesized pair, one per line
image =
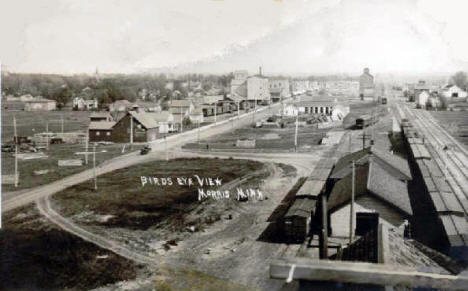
(44, 207)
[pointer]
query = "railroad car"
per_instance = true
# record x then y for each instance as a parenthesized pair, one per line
(365, 121)
(297, 220)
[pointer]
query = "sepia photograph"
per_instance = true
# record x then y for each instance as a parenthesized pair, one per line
(234, 145)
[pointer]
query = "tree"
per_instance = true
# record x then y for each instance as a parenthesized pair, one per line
(62, 96)
(460, 79)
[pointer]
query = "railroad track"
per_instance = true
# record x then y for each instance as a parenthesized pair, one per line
(451, 163)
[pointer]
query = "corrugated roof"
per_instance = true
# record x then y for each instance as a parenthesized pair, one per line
(101, 125)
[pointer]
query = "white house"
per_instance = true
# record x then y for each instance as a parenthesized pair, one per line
(81, 103)
(453, 91)
(165, 120)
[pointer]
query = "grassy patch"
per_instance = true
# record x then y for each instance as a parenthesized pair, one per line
(35, 255)
(57, 152)
(132, 205)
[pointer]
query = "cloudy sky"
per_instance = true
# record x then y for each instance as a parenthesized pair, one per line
(288, 36)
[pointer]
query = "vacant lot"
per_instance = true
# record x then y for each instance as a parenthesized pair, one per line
(266, 138)
(29, 123)
(56, 152)
(456, 122)
(36, 255)
(126, 203)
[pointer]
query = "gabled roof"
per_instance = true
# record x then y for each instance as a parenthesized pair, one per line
(396, 165)
(373, 179)
(381, 184)
(162, 116)
(101, 125)
(144, 119)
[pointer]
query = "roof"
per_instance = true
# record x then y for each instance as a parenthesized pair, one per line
(236, 98)
(302, 208)
(381, 184)
(144, 119)
(373, 179)
(181, 103)
(396, 165)
(100, 114)
(162, 116)
(317, 100)
(212, 99)
(39, 100)
(101, 125)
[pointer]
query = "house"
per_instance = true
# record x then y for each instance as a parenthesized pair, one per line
(165, 121)
(100, 131)
(381, 187)
(120, 105)
(100, 116)
(453, 91)
(366, 85)
(422, 99)
(197, 115)
(181, 109)
(40, 104)
(80, 103)
(145, 128)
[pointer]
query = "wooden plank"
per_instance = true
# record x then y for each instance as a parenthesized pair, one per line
(363, 273)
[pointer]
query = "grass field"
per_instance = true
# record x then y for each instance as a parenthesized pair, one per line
(37, 255)
(122, 196)
(29, 123)
(56, 152)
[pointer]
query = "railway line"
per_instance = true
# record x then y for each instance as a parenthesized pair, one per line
(449, 156)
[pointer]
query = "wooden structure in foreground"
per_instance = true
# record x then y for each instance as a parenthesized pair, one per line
(363, 273)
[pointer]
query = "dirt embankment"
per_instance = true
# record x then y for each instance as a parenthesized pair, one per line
(35, 255)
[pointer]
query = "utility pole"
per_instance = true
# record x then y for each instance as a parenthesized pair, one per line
(94, 167)
(86, 146)
(131, 129)
(16, 152)
(215, 111)
(61, 118)
(238, 113)
(351, 211)
(165, 147)
(295, 135)
(324, 229)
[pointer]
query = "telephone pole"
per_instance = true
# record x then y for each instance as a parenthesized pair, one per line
(16, 152)
(86, 146)
(165, 147)
(215, 112)
(47, 134)
(94, 167)
(131, 129)
(295, 135)
(351, 211)
(61, 119)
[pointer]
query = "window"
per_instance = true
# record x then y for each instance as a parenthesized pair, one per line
(108, 133)
(98, 133)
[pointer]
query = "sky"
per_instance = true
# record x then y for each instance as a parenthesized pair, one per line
(220, 36)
